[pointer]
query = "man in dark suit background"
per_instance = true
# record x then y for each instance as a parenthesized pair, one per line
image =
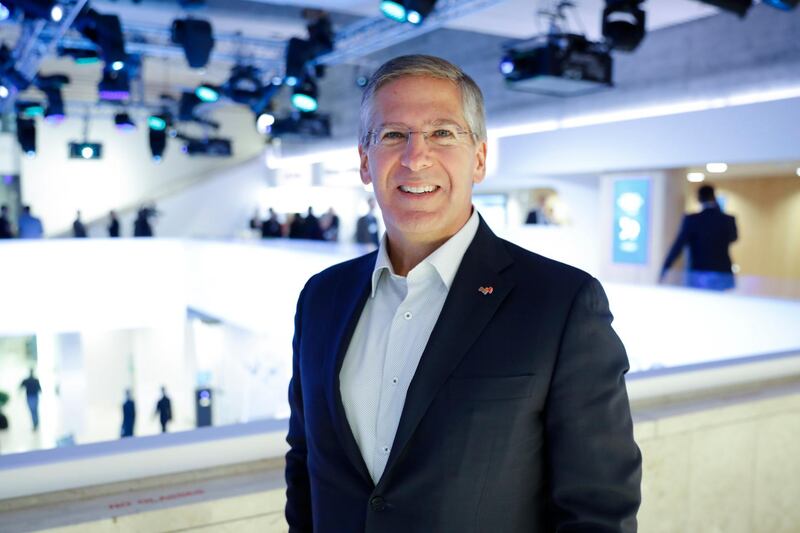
(465, 385)
(708, 234)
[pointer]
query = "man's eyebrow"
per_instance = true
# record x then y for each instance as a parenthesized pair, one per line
(434, 123)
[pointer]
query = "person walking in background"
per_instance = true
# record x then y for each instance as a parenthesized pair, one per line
(330, 224)
(113, 224)
(367, 226)
(271, 227)
(78, 229)
(32, 391)
(142, 226)
(30, 227)
(164, 410)
(708, 234)
(6, 231)
(311, 228)
(255, 220)
(296, 227)
(128, 415)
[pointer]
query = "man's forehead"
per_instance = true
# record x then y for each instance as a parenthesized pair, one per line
(396, 99)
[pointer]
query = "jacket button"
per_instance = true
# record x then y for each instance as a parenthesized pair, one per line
(377, 503)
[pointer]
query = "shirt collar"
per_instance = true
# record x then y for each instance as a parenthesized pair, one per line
(445, 259)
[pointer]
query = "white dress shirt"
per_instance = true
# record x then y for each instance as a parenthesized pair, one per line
(388, 342)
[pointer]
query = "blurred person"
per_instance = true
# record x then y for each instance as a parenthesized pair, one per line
(32, 391)
(367, 226)
(30, 227)
(539, 215)
(708, 235)
(142, 226)
(452, 381)
(271, 227)
(297, 227)
(6, 230)
(128, 415)
(311, 227)
(78, 229)
(164, 410)
(330, 225)
(113, 224)
(255, 220)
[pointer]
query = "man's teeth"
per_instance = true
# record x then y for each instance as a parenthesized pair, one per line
(418, 190)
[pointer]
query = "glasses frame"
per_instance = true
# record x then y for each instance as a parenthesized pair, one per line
(372, 137)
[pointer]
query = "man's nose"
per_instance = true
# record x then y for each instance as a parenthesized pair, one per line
(417, 153)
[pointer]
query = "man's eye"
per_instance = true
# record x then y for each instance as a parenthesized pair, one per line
(443, 133)
(393, 135)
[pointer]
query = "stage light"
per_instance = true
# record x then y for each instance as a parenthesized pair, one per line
(4, 13)
(158, 143)
(695, 177)
(414, 17)
(784, 5)
(244, 85)
(264, 122)
(56, 13)
(116, 66)
(507, 65)
(4, 92)
(717, 168)
(740, 7)
(157, 122)
(304, 96)
(413, 11)
(105, 31)
(26, 135)
(54, 112)
(29, 109)
(114, 86)
(623, 24)
(393, 10)
(207, 93)
(798, 172)
(123, 122)
(197, 39)
(81, 56)
(85, 150)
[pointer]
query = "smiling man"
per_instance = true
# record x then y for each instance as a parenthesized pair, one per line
(466, 384)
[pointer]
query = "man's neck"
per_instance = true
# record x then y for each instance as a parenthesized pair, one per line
(405, 254)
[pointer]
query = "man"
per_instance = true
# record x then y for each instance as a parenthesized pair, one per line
(367, 226)
(467, 385)
(78, 228)
(6, 231)
(113, 224)
(128, 415)
(32, 391)
(271, 227)
(708, 235)
(164, 410)
(30, 227)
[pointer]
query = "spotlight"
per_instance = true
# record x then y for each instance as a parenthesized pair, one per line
(393, 10)
(105, 31)
(4, 92)
(116, 66)
(784, 5)
(297, 54)
(114, 86)
(85, 150)
(740, 7)
(264, 122)
(304, 96)
(26, 135)
(157, 122)
(51, 86)
(244, 86)
(123, 122)
(158, 143)
(56, 13)
(207, 93)
(4, 13)
(623, 24)
(81, 56)
(413, 11)
(29, 109)
(197, 39)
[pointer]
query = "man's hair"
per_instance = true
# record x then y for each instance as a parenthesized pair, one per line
(430, 67)
(706, 194)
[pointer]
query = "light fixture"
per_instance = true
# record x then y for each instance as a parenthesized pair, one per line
(784, 5)
(740, 7)
(197, 39)
(304, 96)
(393, 10)
(158, 143)
(29, 109)
(413, 11)
(56, 13)
(116, 66)
(798, 172)
(264, 122)
(157, 122)
(54, 112)
(26, 135)
(695, 177)
(4, 13)
(85, 150)
(105, 31)
(123, 122)
(81, 56)
(207, 93)
(716, 168)
(4, 92)
(623, 24)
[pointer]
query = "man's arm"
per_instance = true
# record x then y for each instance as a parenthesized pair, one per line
(734, 234)
(594, 463)
(677, 248)
(298, 488)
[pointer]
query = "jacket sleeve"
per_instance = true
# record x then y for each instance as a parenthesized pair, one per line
(677, 246)
(298, 489)
(594, 465)
(734, 234)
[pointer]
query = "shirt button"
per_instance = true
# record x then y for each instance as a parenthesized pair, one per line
(377, 503)
(385, 450)
(395, 381)
(408, 315)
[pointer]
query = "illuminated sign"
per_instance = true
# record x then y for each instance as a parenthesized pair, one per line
(631, 220)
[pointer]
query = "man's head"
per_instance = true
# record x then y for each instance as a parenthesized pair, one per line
(26, 209)
(422, 146)
(706, 194)
(3, 209)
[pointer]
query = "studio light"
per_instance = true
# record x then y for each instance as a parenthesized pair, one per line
(393, 10)
(85, 150)
(784, 5)
(29, 109)
(123, 122)
(4, 92)
(197, 39)
(114, 86)
(56, 13)
(413, 11)
(304, 96)
(51, 85)
(157, 122)
(302, 125)
(207, 93)
(623, 24)
(26, 135)
(158, 143)
(4, 12)
(264, 122)
(740, 7)
(81, 56)
(105, 31)
(244, 85)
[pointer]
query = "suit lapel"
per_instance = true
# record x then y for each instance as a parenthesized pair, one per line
(466, 312)
(350, 298)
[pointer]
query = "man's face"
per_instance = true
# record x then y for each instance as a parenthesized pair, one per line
(399, 173)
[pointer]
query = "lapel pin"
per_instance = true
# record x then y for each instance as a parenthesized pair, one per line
(486, 290)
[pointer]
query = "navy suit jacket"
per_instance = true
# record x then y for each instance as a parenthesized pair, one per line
(516, 420)
(708, 235)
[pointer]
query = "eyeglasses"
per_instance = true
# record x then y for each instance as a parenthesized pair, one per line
(394, 136)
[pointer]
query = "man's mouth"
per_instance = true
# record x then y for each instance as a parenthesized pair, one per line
(420, 189)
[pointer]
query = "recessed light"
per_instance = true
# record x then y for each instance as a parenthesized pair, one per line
(716, 168)
(696, 177)
(798, 172)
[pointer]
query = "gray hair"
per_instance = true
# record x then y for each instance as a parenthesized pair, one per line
(427, 66)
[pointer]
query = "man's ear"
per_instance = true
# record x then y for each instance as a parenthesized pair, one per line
(363, 168)
(479, 172)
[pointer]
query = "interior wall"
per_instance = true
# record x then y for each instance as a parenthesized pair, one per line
(767, 212)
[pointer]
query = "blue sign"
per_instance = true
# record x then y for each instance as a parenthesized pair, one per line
(631, 220)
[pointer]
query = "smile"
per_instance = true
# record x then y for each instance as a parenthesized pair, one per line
(423, 189)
